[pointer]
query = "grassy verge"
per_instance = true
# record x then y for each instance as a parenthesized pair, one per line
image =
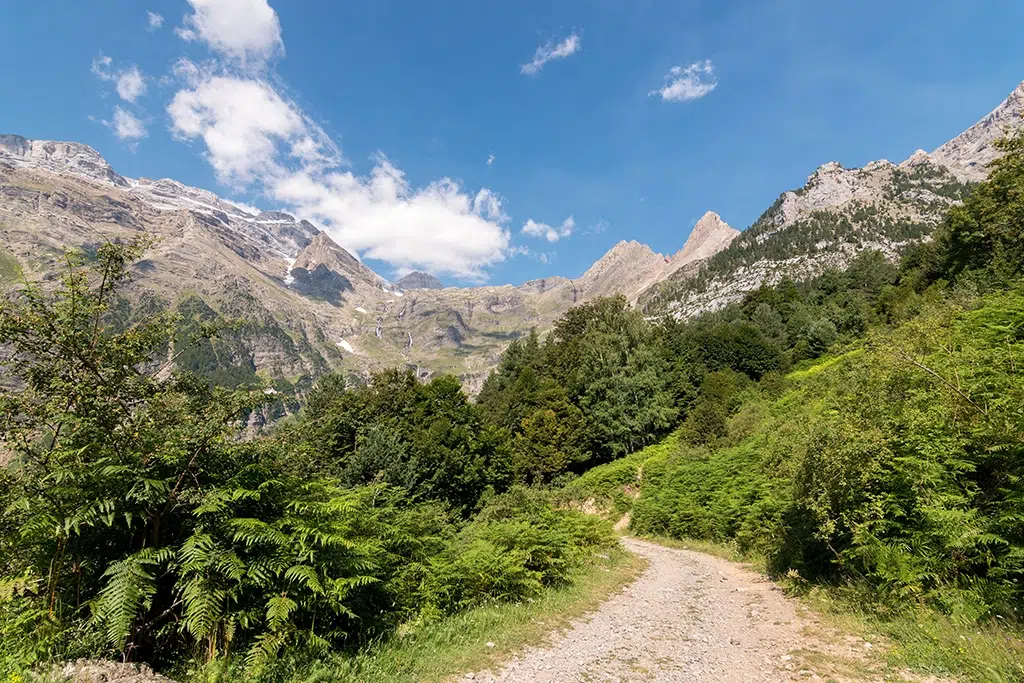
(10, 269)
(926, 642)
(461, 643)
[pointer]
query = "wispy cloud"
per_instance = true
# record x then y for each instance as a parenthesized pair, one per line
(130, 82)
(154, 21)
(552, 50)
(490, 159)
(552, 233)
(687, 83)
(126, 126)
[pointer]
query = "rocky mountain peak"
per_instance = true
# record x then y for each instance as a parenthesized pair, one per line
(627, 249)
(709, 236)
(918, 158)
(57, 157)
(419, 280)
(323, 251)
(969, 154)
(826, 169)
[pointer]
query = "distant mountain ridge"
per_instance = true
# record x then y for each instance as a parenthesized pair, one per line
(838, 213)
(310, 306)
(418, 280)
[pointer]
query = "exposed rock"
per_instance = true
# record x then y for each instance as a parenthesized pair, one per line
(300, 292)
(70, 157)
(709, 236)
(104, 671)
(969, 154)
(837, 214)
(419, 280)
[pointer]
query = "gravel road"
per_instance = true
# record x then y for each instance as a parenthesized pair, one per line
(689, 617)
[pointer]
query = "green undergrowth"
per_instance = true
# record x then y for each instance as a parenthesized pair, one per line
(473, 640)
(922, 640)
(885, 481)
(611, 488)
(10, 269)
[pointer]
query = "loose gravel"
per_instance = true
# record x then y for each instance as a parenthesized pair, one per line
(689, 617)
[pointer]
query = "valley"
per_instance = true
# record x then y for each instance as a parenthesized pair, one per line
(310, 306)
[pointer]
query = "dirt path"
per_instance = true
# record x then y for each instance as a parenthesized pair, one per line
(689, 617)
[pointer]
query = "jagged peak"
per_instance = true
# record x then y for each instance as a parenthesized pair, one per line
(918, 158)
(710, 235)
(56, 156)
(878, 164)
(829, 167)
(626, 247)
(969, 154)
(322, 250)
(417, 279)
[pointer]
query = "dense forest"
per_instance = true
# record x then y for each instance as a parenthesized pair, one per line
(862, 428)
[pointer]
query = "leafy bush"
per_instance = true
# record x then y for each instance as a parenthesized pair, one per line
(134, 522)
(517, 545)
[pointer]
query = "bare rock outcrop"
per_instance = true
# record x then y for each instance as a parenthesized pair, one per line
(969, 154)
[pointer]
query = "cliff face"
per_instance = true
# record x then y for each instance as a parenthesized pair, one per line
(969, 154)
(838, 213)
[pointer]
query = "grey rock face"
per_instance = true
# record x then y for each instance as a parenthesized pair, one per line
(309, 306)
(328, 310)
(969, 154)
(419, 280)
(837, 214)
(69, 157)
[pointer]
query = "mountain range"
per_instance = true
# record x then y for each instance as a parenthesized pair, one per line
(309, 306)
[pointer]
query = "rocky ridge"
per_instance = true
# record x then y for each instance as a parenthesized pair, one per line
(311, 306)
(308, 304)
(418, 280)
(969, 154)
(838, 213)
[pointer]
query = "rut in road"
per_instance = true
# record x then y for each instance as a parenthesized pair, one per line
(689, 617)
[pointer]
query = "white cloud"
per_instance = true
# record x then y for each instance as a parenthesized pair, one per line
(258, 139)
(125, 125)
(552, 50)
(255, 137)
(154, 21)
(247, 31)
(131, 84)
(551, 233)
(439, 228)
(686, 83)
(490, 159)
(247, 127)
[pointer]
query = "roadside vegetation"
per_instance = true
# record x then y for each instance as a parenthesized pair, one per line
(859, 434)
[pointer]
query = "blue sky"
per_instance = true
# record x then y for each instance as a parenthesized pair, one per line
(378, 118)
